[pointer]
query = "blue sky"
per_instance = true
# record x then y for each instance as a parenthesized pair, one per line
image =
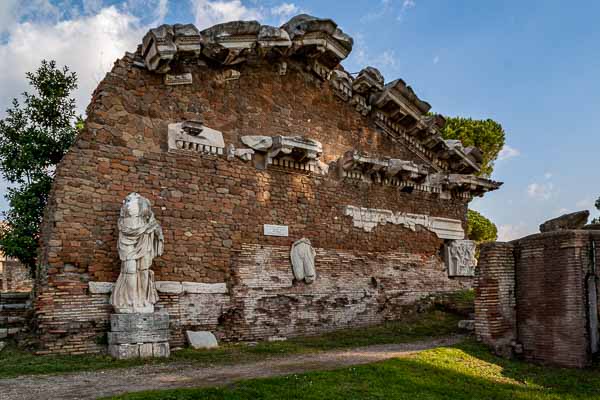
(531, 65)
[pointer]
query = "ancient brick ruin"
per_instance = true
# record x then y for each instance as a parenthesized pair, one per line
(246, 139)
(537, 297)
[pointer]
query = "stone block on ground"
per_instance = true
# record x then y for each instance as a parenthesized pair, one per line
(139, 335)
(467, 324)
(201, 339)
(139, 350)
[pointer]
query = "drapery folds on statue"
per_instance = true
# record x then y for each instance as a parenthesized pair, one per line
(140, 240)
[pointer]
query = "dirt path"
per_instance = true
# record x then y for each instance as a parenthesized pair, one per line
(92, 385)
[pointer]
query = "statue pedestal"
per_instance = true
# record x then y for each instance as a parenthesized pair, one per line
(139, 335)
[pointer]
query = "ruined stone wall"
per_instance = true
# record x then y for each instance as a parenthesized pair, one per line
(532, 292)
(495, 316)
(14, 276)
(212, 211)
(551, 296)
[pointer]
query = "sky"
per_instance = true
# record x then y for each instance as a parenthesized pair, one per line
(532, 65)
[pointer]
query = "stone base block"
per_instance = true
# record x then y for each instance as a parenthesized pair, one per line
(139, 335)
(139, 322)
(139, 350)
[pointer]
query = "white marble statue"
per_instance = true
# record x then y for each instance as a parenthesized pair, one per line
(303, 260)
(140, 240)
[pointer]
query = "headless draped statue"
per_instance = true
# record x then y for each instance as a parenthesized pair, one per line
(303, 260)
(140, 240)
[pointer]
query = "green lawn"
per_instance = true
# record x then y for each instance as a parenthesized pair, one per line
(14, 362)
(466, 371)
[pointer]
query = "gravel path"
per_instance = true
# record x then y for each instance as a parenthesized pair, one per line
(92, 385)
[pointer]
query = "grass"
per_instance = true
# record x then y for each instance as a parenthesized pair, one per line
(466, 371)
(15, 362)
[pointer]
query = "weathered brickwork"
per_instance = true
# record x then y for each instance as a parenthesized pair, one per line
(534, 293)
(212, 211)
(14, 276)
(495, 290)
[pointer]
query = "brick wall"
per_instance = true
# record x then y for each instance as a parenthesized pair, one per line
(14, 276)
(495, 317)
(547, 312)
(212, 212)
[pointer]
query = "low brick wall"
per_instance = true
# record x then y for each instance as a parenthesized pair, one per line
(533, 293)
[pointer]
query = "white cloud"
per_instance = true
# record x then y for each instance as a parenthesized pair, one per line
(208, 13)
(12, 11)
(285, 11)
(88, 44)
(385, 6)
(436, 59)
(508, 152)
(510, 232)
(360, 56)
(540, 191)
(548, 175)
(408, 4)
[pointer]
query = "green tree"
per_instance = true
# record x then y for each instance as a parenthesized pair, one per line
(597, 220)
(34, 137)
(488, 135)
(479, 228)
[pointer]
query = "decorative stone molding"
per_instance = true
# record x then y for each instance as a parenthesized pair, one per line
(161, 45)
(179, 79)
(401, 104)
(318, 38)
(381, 170)
(229, 43)
(368, 81)
(204, 288)
(465, 185)
(272, 39)
(242, 154)
(460, 258)
(303, 255)
(288, 151)
(100, 287)
(341, 83)
(194, 136)
(167, 287)
(369, 218)
(297, 147)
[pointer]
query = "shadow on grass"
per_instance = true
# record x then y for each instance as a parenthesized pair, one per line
(560, 380)
(462, 372)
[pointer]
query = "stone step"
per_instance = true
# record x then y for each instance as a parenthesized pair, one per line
(15, 297)
(15, 306)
